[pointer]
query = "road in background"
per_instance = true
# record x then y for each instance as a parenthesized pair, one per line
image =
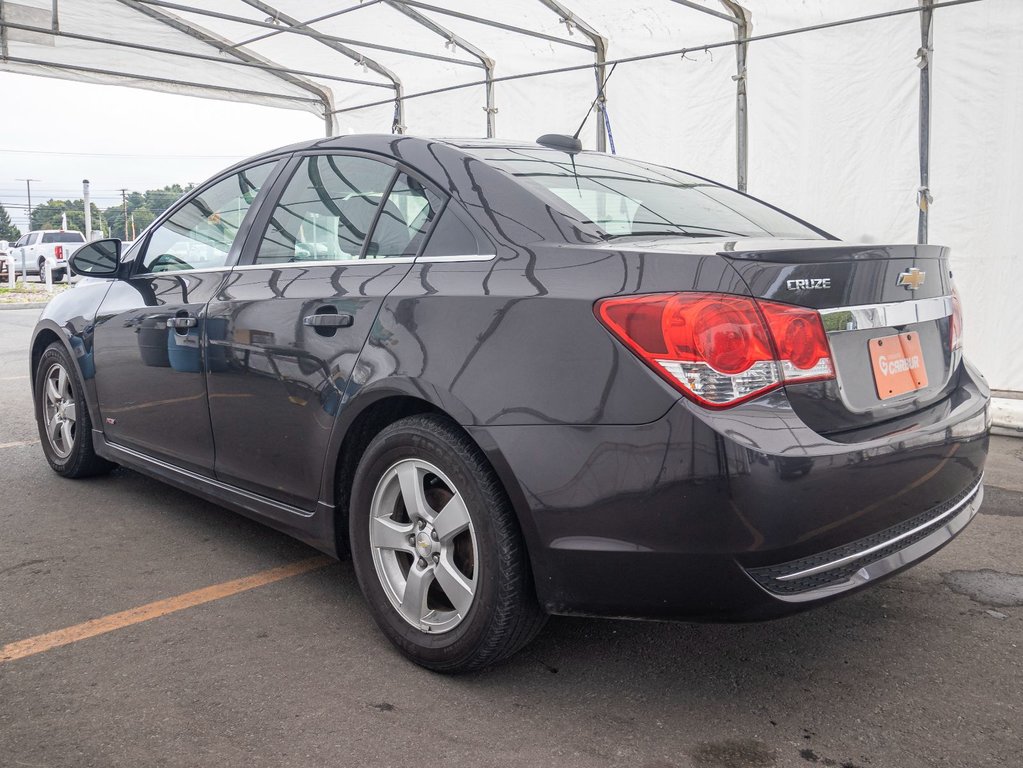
(924, 670)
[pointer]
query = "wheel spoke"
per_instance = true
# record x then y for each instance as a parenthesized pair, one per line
(70, 412)
(52, 395)
(455, 585)
(65, 433)
(387, 534)
(53, 429)
(452, 519)
(62, 383)
(413, 601)
(411, 482)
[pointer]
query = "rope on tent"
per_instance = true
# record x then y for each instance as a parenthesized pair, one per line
(607, 127)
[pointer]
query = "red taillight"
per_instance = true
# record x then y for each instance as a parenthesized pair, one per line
(955, 334)
(720, 349)
(58, 251)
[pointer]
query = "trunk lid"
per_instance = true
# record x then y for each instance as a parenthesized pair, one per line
(868, 296)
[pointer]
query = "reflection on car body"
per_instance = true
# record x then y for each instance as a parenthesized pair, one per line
(512, 380)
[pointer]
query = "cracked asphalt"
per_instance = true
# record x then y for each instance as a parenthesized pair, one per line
(924, 670)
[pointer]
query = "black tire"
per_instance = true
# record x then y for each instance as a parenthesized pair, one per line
(42, 275)
(504, 614)
(81, 460)
(59, 275)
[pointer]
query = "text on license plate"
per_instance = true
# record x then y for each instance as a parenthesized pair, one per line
(898, 363)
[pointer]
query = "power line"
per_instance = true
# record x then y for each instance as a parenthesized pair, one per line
(121, 154)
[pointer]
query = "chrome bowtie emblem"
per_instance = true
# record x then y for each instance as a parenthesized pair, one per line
(912, 278)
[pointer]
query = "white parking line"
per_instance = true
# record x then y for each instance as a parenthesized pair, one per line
(12, 378)
(19, 443)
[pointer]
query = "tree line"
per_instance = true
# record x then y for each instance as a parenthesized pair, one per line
(141, 208)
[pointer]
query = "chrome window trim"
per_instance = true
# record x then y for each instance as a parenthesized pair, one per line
(173, 272)
(333, 263)
(896, 313)
(458, 257)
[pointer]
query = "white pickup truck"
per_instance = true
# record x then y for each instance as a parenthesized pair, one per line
(46, 247)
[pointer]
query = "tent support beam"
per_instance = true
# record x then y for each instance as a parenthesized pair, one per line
(302, 28)
(164, 80)
(743, 20)
(496, 24)
(455, 40)
(307, 24)
(398, 124)
(268, 67)
(599, 42)
(924, 54)
(324, 96)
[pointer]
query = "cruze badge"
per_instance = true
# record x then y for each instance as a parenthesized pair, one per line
(808, 284)
(912, 278)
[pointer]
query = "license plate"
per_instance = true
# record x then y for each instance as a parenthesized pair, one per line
(898, 363)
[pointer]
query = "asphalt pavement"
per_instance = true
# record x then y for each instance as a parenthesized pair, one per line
(925, 669)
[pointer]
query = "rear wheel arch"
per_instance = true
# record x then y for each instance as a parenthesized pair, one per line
(367, 424)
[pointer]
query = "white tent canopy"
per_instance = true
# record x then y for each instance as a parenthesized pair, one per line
(833, 112)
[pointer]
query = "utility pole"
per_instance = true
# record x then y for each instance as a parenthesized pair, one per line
(28, 191)
(124, 207)
(88, 210)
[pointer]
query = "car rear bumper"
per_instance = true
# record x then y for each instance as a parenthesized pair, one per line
(738, 514)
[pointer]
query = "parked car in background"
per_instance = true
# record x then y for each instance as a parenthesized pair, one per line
(44, 248)
(515, 379)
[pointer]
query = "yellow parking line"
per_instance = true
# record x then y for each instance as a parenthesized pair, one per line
(18, 443)
(50, 640)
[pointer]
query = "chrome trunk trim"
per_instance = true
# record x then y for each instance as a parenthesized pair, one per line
(897, 313)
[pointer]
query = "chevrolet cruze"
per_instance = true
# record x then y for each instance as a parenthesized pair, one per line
(517, 379)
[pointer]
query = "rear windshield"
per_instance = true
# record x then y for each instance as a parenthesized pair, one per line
(626, 197)
(63, 237)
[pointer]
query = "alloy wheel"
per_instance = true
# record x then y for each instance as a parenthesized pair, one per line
(424, 546)
(59, 410)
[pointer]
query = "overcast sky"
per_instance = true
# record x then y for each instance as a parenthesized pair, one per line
(61, 132)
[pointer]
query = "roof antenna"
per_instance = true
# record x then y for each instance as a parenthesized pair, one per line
(572, 143)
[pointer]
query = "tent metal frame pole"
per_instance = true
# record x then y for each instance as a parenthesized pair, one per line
(164, 80)
(599, 42)
(301, 28)
(310, 22)
(272, 68)
(491, 23)
(743, 20)
(3, 34)
(324, 95)
(398, 124)
(924, 54)
(456, 41)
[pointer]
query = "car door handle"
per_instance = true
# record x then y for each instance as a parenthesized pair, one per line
(332, 320)
(182, 322)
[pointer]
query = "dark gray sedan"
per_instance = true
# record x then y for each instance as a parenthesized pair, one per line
(519, 379)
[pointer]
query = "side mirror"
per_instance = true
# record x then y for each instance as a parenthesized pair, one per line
(101, 258)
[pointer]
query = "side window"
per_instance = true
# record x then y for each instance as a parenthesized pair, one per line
(200, 233)
(404, 220)
(330, 205)
(32, 239)
(325, 211)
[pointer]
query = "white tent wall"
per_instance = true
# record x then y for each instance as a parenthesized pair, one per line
(833, 114)
(977, 164)
(833, 129)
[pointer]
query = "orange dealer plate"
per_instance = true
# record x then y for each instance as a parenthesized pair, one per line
(898, 363)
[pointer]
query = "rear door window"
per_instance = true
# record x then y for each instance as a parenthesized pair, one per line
(200, 233)
(342, 207)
